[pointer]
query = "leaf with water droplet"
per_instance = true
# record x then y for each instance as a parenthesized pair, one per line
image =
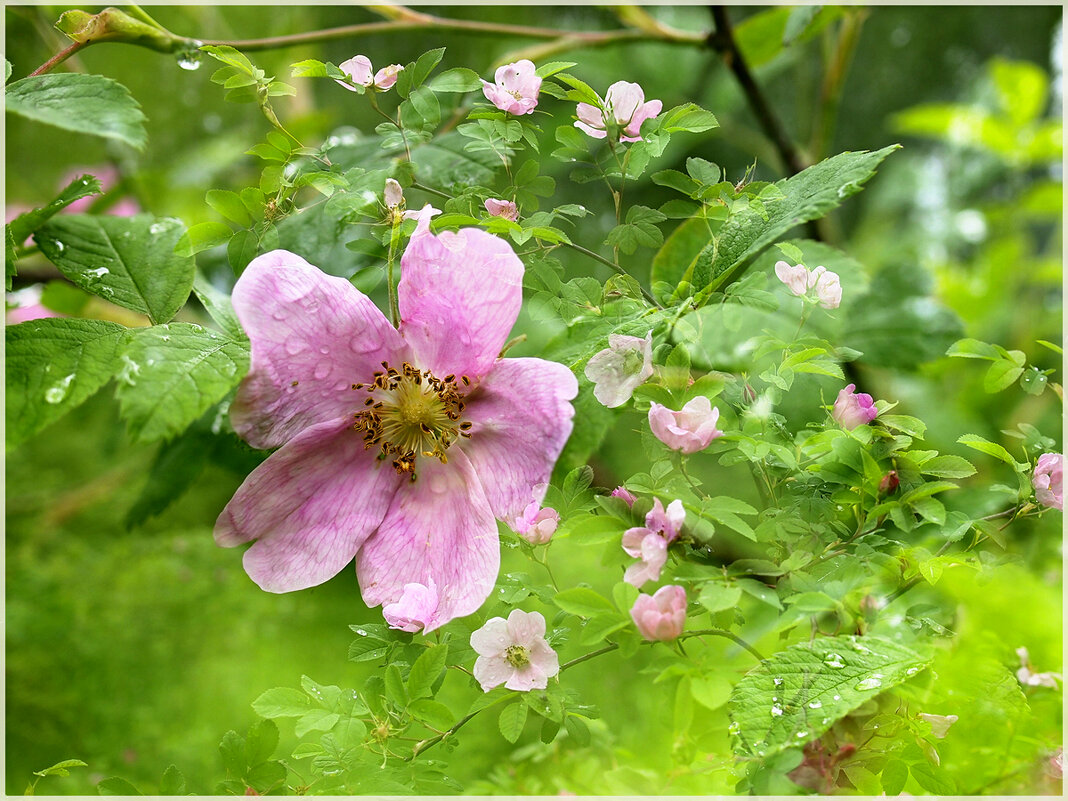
(128, 260)
(182, 370)
(814, 676)
(52, 366)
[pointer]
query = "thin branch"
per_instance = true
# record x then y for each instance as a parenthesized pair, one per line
(59, 58)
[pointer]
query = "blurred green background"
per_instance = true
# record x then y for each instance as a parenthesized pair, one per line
(135, 648)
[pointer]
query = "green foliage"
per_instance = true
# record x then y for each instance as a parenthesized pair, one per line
(89, 104)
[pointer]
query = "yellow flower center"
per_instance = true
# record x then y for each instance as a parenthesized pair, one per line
(516, 656)
(411, 413)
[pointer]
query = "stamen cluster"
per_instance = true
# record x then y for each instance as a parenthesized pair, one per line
(412, 413)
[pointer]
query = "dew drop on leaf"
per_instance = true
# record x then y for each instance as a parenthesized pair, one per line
(834, 661)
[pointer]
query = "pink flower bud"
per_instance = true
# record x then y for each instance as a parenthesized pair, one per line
(661, 616)
(1047, 480)
(358, 68)
(625, 494)
(416, 608)
(502, 208)
(688, 430)
(387, 76)
(828, 287)
(515, 88)
(795, 278)
(889, 483)
(394, 194)
(852, 409)
(537, 525)
(617, 370)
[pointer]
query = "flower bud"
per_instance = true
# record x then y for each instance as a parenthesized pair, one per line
(852, 409)
(502, 208)
(688, 430)
(661, 616)
(625, 494)
(889, 483)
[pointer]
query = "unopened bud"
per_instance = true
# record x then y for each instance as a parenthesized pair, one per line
(889, 483)
(748, 393)
(115, 25)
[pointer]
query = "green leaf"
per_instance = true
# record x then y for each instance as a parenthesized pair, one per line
(73, 101)
(511, 721)
(806, 196)
(434, 713)
(116, 786)
(894, 775)
(316, 720)
(60, 768)
(17, 231)
(282, 702)
(797, 694)
(459, 79)
(424, 65)
(52, 366)
(912, 426)
(129, 261)
(947, 467)
(1000, 375)
(219, 306)
(932, 779)
(992, 449)
(716, 597)
(973, 349)
(229, 205)
(553, 67)
(367, 649)
(173, 782)
(261, 741)
(426, 669)
(201, 237)
(176, 465)
(171, 374)
(688, 117)
(584, 602)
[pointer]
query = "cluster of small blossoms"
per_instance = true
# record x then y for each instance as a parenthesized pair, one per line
(800, 280)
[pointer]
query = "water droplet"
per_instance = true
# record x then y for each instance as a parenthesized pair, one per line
(801, 735)
(322, 370)
(361, 632)
(815, 704)
(826, 721)
(870, 683)
(834, 661)
(777, 681)
(98, 273)
(189, 59)
(59, 246)
(293, 346)
(56, 394)
(734, 728)
(324, 350)
(776, 710)
(278, 314)
(912, 671)
(166, 337)
(129, 371)
(837, 697)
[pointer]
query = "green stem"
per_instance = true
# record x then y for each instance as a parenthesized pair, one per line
(394, 306)
(59, 58)
(728, 635)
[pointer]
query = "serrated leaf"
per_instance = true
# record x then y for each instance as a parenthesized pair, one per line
(282, 702)
(434, 713)
(176, 465)
(992, 449)
(74, 101)
(796, 695)
(1000, 375)
(17, 231)
(459, 79)
(261, 741)
(316, 720)
(52, 366)
(367, 649)
(129, 261)
(219, 306)
(201, 237)
(947, 467)
(806, 196)
(511, 721)
(716, 597)
(173, 782)
(426, 669)
(60, 768)
(171, 374)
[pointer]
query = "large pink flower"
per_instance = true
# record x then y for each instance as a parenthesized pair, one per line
(396, 447)
(515, 88)
(624, 106)
(1048, 480)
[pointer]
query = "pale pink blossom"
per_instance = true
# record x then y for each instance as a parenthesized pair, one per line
(402, 465)
(1027, 675)
(1056, 764)
(393, 194)
(537, 525)
(415, 610)
(852, 409)
(939, 723)
(515, 88)
(1047, 480)
(649, 543)
(662, 615)
(624, 493)
(514, 652)
(502, 208)
(826, 286)
(23, 314)
(624, 108)
(360, 71)
(617, 370)
(387, 76)
(688, 430)
(358, 68)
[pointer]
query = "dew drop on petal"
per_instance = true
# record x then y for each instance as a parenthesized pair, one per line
(322, 370)
(293, 346)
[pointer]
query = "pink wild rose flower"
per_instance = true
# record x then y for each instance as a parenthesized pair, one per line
(387, 76)
(359, 69)
(515, 88)
(826, 286)
(688, 430)
(852, 409)
(514, 652)
(397, 447)
(620, 368)
(649, 543)
(502, 208)
(1048, 480)
(537, 525)
(415, 610)
(662, 615)
(622, 492)
(624, 108)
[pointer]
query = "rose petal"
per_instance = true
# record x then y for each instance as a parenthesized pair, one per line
(309, 506)
(526, 628)
(459, 295)
(492, 671)
(521, 418)
(438, 527)
(492, 638)
(313, 335)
